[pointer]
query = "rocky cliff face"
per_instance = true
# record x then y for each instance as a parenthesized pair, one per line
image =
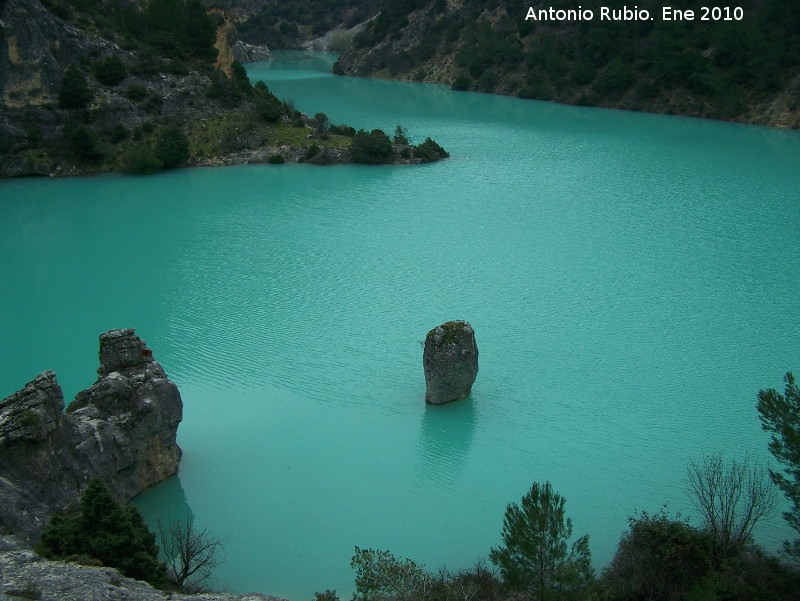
(122, 430)
(38, 48)
(450, 361)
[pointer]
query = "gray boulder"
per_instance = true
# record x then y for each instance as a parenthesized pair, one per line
(250, 53)
(123, 430)
(450, 361)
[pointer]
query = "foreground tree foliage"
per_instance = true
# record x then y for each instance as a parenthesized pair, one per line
(102, 529)
(534, 561)
(659, 559)
(780, 416)
(380, 576)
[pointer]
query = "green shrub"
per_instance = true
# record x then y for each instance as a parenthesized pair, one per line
(322, 121)
(267, 104)
(754, 575)
(380, 576)
(225, 90)
(101, 528)
(538, 92)
(74, 92)
(583, 73)
(328, 595)
(135, 92)
(82, 142)
(311, 152)
(488, 81)
(239, 79)
(658, 559)
(614, 80)
(110, 71)
(152, 103)
(201, 32)
(276, 159)
(430, 151)
(118, 133)
(172, 146)
(342, 130)
(177, 67)
(371, 148)
(167, 43)
(462, 82)
(140, 160)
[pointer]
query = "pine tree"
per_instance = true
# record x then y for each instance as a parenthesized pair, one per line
(74, 92)
(534, 561)
(102, 529)
(780, 415)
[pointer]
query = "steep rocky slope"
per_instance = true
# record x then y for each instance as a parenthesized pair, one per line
(745, 70)
(25, 575)
(131, 86)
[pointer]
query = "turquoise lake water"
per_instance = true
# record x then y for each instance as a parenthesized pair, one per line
(631, 279)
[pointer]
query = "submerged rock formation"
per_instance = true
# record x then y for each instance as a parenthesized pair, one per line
(122, 430)
(450, 360)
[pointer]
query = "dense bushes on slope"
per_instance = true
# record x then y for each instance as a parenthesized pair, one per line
(103, 530)
(726, 68)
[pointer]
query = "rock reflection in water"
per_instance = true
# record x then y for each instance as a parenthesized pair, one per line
(445, 438)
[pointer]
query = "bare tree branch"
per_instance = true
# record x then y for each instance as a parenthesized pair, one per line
(731, 498)
(191, 554)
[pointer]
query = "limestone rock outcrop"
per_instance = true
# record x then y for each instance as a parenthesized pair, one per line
(250, 53)
(25, 575)
(123, 430)
(450, 361)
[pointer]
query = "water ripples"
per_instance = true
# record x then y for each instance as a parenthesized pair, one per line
(629, 278)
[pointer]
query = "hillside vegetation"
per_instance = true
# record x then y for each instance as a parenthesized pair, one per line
(743, 70)
(288, 23)
(89, 87)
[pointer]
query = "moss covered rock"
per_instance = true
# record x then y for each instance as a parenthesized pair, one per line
(450, 361)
